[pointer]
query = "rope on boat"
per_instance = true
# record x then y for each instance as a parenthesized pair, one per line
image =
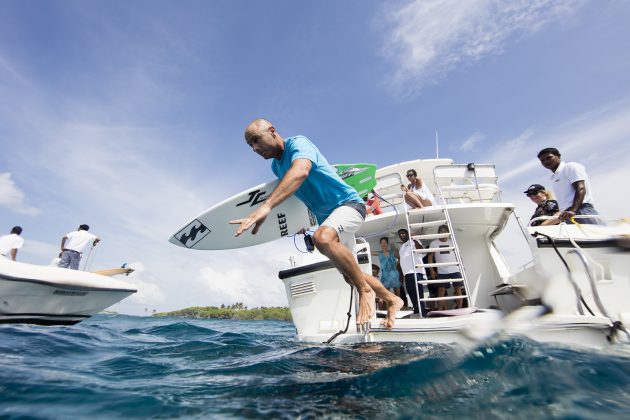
(563, 226)
(89, 259)
(347, 323)
(616, 326)
(573, 283)
(391, 224)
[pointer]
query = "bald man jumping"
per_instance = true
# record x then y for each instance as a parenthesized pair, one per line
(340, 212)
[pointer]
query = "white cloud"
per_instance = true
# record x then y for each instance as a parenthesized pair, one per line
(6, 67)
(471, 141)
(42, 250)
(430, 38)
(13, 198)
(247, 275)
(597, 139)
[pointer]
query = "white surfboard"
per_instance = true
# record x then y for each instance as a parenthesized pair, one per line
(211, 229)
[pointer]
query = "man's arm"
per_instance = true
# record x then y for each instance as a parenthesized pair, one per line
(578, 198)
(63, 242)
(96, 240)
(431, 260)
(13, 253)
(290, 182)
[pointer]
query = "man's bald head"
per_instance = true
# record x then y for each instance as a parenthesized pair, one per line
(257, 127)
(261, 136)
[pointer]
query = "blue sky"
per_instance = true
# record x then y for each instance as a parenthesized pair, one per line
(128, 115)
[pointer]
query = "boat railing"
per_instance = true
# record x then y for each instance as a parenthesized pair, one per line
(594, 219)
(467, 183)
(388, 189)
(592, 281)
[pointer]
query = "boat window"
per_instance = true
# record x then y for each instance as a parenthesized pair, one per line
(513, 245)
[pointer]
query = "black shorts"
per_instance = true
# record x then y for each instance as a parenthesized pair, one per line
(446, 285)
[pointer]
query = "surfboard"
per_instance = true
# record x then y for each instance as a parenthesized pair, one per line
(211, 230)
(114, 271)
(360, 176)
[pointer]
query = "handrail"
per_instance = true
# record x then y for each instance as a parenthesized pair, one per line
(587, 268)
(398, 180)
(576, 217)
(471, 176)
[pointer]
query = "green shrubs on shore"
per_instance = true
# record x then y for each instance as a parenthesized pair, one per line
(236, 311)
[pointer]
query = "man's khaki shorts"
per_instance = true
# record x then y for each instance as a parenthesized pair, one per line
(346, 221)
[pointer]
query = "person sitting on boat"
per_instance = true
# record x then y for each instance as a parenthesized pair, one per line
(445, 272)
(373, 204)
(9, 244)
(72, 246)
(417, 194)
(408, 260)
(339, 210)
(389, 273)
(545, 205)
(570, 185)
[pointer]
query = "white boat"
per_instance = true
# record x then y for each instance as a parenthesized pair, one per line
(48, 295)
(586, 302)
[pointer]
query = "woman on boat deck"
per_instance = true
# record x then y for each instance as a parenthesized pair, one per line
(389, 272)
(545, 205)
(417, 194)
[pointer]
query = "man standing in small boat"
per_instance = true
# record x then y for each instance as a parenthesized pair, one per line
(72, 246)
(340, 212)
(570, 185)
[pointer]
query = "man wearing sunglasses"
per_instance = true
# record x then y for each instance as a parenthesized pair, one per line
(340, 212)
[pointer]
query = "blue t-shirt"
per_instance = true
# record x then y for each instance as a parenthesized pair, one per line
(323, 191)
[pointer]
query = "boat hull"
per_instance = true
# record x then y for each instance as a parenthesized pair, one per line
(54, 296)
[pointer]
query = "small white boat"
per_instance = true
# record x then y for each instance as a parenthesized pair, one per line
(586, 302)
(46, 295)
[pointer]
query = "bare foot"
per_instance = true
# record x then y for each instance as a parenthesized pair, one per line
(367, 306)
(393, 306)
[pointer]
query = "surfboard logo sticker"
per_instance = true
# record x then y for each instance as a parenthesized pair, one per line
(192, 233)
(282, 224)
(255, 197)
(351, 172)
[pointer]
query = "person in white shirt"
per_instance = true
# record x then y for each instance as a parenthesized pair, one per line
(571, 186)
(9, 244)
(72, 246)
(417, 194)
(445, 272)
(408, 259)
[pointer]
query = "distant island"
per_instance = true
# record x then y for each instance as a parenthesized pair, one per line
(235, 311)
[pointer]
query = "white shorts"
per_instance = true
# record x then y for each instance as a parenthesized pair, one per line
(421, 194)
(346, 221)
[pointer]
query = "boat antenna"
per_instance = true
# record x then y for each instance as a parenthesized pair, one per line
(437, 146)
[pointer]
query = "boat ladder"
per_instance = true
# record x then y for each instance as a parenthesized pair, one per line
(467, 183)
(418, 222)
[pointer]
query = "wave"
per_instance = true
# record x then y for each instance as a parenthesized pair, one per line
(122, 366)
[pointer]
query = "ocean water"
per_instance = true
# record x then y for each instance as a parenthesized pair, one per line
(135, 367)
